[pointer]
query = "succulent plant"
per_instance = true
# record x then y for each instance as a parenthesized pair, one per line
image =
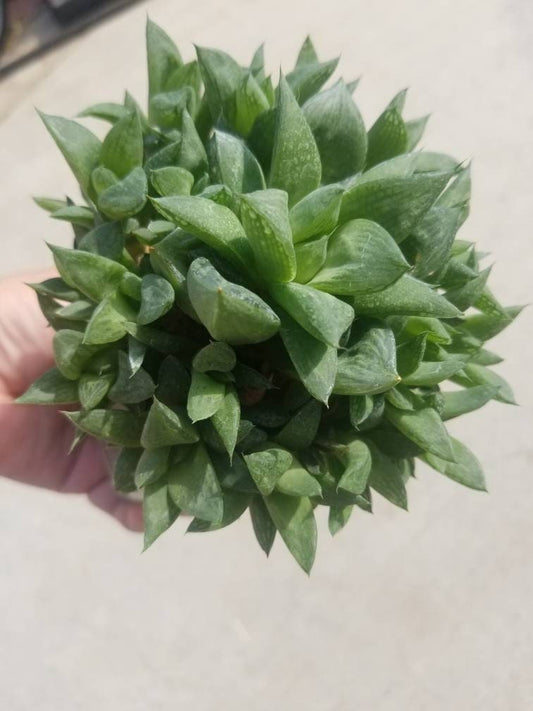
(264, 299)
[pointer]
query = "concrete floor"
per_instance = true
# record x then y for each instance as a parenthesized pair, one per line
(429, 610)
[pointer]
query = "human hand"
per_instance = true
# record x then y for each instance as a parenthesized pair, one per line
(35, 440)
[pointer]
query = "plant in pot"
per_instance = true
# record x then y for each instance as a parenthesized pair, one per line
(265, 303)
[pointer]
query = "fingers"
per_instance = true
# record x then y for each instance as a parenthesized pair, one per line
(128, 513)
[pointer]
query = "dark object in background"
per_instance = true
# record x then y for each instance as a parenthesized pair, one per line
(68, 10)
(30, 27)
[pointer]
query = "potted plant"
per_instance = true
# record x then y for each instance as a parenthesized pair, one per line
(265, 303)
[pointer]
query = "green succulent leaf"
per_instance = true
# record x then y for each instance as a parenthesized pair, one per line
(310, 257)
(235, 504)
(249, 102)
(167, 426)
(296, 481)
(114, 426)
(194, 487)
(157, 297)
(70, 354)
(473, 374)
(361, 407)
(362, 258)
(396, 203)
(460, 402)
(206, 396)
(267, 466)
(296, 166)
(222, 77)
(159, 511)
(214, 224)
(338, 518)
(78, 145)
(434, 372)
(300, 431)
(108, 323)
(424, 427)
(387, 138)
(386, 477)
(92, 389)
(357, 460)
(406, 296)
(314, 361)
(130, 387)
(124, 470)
(265, 218)
(339, 132)
(52, 388)
(464, 468)
(233, 164)
(226, 420)
(316, 214)
(122, 149)
(230, 312)
(172, 180)
(294, 519)
(322, 315)
(91, 274)
(368, 367)
(152, 466)
(163, 57)
(307, 79)
(125, 198)
(264, 528)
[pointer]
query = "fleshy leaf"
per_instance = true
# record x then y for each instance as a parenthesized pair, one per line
(230, 312)
(407, 296)
(235, 504)
(465, 468)
(159, 511)
(339, 132)
(233, 164)
(152, 465)
(322, 315)
(163, 57)
(387, 138)
(314, 361)
(78, 145)
(166, 426)
(226, 420)
(267, 466)
(206, 396)
(157, 297)
(387, 479)
(194, 487)
(460, 402)
(125, 198)
(222, 77)
(300, 431)
(91, 274)
(214, 224)
(70, 354)
(306, 80)
(310, 257)
(264, 528)
(130, 387)
(317, 213)
(124, 469)
(357, 460)
(114, 426)
(296, 481)
(369, 366)
(424, 427)
(338, 518)
(52, 388)
(93, 388)
(172, 180)
(294, 519)
(265, 218)
(109, 321)
(295, 164)
(434, 372)
(396, 203)
(122, 149)
(362, 258)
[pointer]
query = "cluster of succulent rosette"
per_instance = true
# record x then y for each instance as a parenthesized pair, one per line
(264, 299)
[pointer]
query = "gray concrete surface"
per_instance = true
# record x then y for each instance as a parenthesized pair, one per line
(430, 610)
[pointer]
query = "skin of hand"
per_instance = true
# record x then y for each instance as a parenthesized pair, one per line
(35, 440)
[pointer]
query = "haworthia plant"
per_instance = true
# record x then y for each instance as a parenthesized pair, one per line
(265, 298)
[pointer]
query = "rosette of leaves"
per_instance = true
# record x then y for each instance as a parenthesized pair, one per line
(265, 301)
